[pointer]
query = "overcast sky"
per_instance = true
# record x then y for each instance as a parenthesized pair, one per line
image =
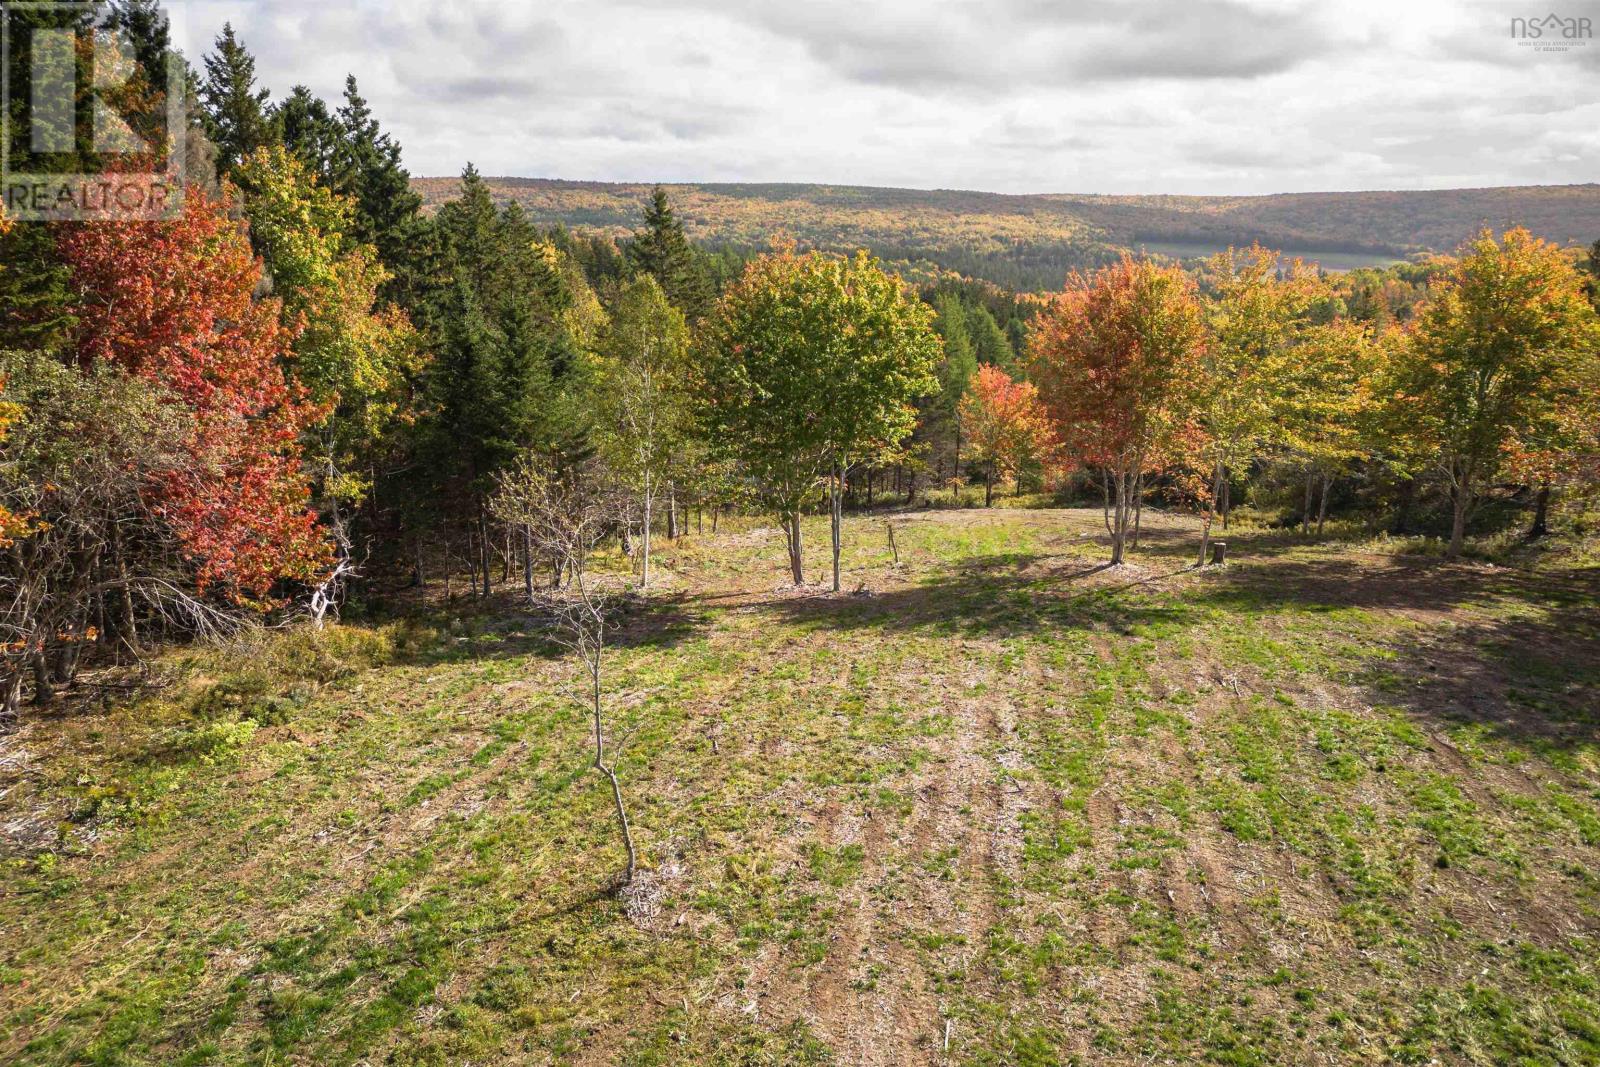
(1150, 96)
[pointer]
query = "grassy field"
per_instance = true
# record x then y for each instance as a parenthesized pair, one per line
(1330, 804)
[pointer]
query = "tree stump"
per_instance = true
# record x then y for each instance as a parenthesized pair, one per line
(1219, 553)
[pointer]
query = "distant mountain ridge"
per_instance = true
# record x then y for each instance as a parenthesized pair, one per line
(1030, 241)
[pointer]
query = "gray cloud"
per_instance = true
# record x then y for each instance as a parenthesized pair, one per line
(1008, 46)
(1198, 96)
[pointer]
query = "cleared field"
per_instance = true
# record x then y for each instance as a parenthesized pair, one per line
(1326, 805)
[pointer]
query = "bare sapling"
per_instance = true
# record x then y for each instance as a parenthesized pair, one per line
(566, 514)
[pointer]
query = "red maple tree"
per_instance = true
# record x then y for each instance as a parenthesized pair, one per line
(1116, 358)
(174, 302)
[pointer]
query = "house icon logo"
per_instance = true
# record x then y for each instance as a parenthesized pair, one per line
(1553, 33)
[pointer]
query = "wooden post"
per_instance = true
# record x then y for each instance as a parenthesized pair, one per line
(892, 547)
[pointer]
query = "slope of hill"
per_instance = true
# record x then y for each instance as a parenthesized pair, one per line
(1031, 241)
(1324, 805)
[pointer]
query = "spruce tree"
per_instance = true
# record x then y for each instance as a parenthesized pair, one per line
(235, 112)
(989, 341)
(36, 296)
(662, 251)
(308, 129)
(388, 210)
(147, 29)
(494, 389)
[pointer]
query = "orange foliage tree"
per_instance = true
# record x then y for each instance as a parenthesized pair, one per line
(1116, 359)
(1006, 425)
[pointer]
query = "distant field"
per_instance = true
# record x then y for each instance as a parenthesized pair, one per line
(1330, 804)
(1031, 242)
(1332, 261)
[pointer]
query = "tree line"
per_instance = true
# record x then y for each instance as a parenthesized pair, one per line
(302, 387)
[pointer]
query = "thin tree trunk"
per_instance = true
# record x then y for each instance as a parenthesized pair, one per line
(957, 474)
(1138, 507)
(1305, 513)
(1205, 530)
(611, 776)
(1458, 521)
(11, 702)
(527, 562)
(483, 548)
(672, 512)
(1119, 530)
(1105, 495)
(1322, 510)
(988, 486)
(791, 530)
(836, 506)
(127, 626)
(1227, 499)
(644, 536)
(44, 692)
(1541, 513)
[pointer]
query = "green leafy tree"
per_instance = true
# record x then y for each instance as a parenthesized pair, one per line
(351, 350)
(311, 133)
(1488, 359)
(813, 363)
(989, 342)
(352, 354)
(388, 213)
(642, 398)
(1327, 413)
(1258, 316)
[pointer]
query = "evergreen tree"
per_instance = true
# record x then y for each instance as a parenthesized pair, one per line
(503, 353)
(235, 111)
(148, 31)
(989, 342)
(308, 129)
(36, 298)
(388, 210)
(662, 251)
(960, 363)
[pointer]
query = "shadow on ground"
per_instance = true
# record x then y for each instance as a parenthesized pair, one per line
(1515, 652)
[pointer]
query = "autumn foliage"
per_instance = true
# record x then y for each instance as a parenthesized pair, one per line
(1116, 359)
(172, 302)
(1006, 424)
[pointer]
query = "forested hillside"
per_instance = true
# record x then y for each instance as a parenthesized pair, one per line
(1030, 242)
